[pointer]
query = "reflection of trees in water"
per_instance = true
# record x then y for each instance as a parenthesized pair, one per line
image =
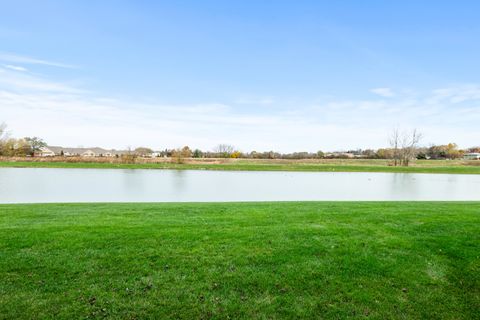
(179, 180)
(70, 185)
(425, 186)
(133, 179)
(452, 187)
(405, 184)
(142, 183)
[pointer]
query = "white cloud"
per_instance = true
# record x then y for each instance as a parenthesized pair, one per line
(26, 82)
(456, 94)
(383, 92)
(15, 68)
(66, 115)
(255, 101)
(29, 60)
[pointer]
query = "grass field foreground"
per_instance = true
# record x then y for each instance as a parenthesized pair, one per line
(378, 260)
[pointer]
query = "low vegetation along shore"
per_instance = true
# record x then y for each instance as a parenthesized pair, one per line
(323, 165)
(381, 260)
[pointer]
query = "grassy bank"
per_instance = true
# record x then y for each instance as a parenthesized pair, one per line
(250, 260)
(425, 166)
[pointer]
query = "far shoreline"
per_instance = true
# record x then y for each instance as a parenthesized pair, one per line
(305, 165)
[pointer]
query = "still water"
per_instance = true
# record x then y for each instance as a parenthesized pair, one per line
(22, 185)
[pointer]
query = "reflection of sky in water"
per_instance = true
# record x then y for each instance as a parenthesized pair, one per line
(118, 185)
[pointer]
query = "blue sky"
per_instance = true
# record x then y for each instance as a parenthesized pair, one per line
(263, 75)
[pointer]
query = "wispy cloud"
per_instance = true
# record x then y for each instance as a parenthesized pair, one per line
(67, 115)
(255, 101)
(15, 68)
(456, 94)
(8, 57)
(24, 82)
(383, 92)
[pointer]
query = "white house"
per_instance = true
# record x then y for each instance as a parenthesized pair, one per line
(472, 156)
(46, 152)
(155, 154)
(89, 153)
(51, 151)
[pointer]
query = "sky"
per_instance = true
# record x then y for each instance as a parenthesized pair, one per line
(259, 75)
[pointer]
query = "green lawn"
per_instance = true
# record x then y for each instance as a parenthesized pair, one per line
(335, 260)
(425, 166)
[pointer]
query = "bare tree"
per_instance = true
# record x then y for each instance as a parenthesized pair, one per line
(3, 138)
(129, 156)
(410, 146)
(395, 143)
(3, 131)
(405, 146)
(224, 150)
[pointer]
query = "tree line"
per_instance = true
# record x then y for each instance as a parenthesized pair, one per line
(12, 147)
(404, 148)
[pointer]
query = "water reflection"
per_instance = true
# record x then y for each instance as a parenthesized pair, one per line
(116, 185)
(179, 180)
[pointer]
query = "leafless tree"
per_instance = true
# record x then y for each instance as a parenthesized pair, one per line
(3, 137)
(224, 150)
(129, 156)
(409, 149)
(3, 131)
(405, 146)
(395, 143)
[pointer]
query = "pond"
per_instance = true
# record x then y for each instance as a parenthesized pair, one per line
(28, 185)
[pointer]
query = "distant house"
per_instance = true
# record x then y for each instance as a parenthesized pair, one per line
(60, 151)
(89, 153)
(340, 155)
(472, 156)
(45, 152)
(51, 151)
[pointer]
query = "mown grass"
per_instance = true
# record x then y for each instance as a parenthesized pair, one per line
(272, 165)
(379, 260)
